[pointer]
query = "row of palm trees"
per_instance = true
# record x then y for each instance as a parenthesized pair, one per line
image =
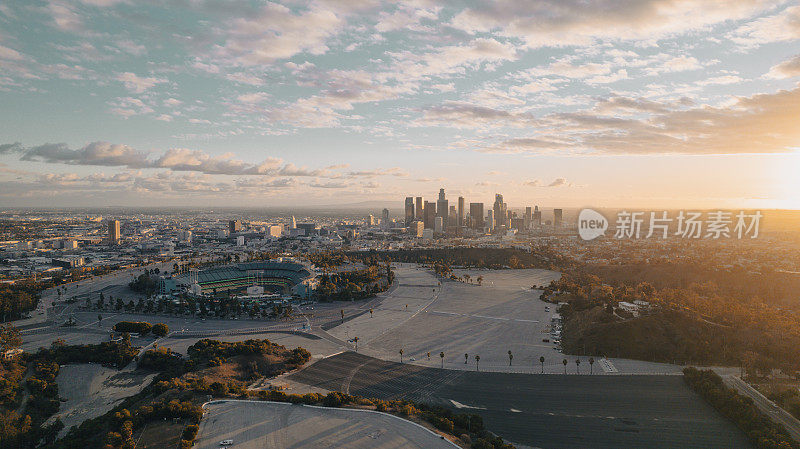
(510, 360)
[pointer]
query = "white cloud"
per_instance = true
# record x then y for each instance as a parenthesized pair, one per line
(9, 54)
(276, 32)
(255, 97)
(554, 23)
(136, 83)
(783, 26)
(786, 69)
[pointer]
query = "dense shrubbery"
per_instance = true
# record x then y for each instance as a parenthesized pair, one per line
(538, 257)
(145, 284)
(787, 397)
(133, 327)
(160, 330)
(162, 360)
(759, 428)
(356, 284)
(697, 323)
(213, 353)
(114, 354)
(17, 299)
(25, 429)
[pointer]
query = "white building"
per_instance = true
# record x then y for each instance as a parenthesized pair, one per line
(275, 231)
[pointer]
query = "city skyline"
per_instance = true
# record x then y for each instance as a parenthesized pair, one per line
(666, 104)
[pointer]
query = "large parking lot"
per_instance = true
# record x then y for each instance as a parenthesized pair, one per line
(258, 425)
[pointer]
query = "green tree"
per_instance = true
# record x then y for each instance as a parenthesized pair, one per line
(160, 330)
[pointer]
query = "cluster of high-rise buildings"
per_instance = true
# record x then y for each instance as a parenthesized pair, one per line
(441, 217)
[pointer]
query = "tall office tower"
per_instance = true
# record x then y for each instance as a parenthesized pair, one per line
(235, 226)
(370, 220)
(452, 218)
(537, 216)
(476, 215)
(293, 223)
(461, 211)
(429, 214)
(419, 209)
(441, 207)
(558, 215)
(385, 218)
(416, 228)
(499, 214)
(409, 210)
(528, 216)
(490, 220)
(114, 233)
(438, 226)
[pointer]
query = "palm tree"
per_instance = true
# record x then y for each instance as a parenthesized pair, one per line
(578, 365)
(401, 356)
(591, 363)
(541, 360)
(355, 340)
(565, 366)
(441, 355)
(466, 357)
(477, 360)
(510, 357)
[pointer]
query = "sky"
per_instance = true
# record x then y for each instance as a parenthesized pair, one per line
(557, 103)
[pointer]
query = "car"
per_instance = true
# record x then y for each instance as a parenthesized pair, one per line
(226, 443)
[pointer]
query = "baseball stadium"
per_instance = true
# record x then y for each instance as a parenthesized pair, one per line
(274, 276)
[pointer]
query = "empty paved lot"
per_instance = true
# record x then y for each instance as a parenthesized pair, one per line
(548, 411)
(258, 425)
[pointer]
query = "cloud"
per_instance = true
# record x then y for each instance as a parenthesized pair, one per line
(276, 32)
(136, 83)
(762, 123)
(10, 54)
(786, 69)
(406, 17)
(330, 185)
(245, 78)
(96, 153)
(175, 159)
(466, 115)
(675, 64)
(15, 147)
(557, 23)
(394, 171)
(409, 65)
(783, 26)
(533, 183)
(64, 17)
(255, 97)
(558, 182)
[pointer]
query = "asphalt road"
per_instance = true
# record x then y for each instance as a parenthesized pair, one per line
(772, 410)
(548, 411)
(257, 425)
